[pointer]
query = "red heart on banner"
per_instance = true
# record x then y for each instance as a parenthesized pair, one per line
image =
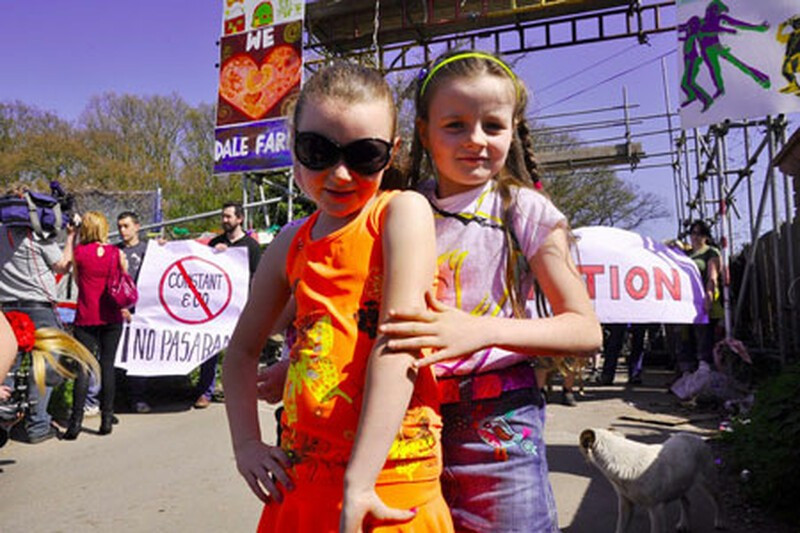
(254, 90)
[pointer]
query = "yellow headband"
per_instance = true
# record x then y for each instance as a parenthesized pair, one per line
(468, 55)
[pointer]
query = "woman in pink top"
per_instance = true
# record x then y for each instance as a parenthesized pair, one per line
(98, 321)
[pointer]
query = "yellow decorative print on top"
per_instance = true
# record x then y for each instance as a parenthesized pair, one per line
(414, 441)
(311, 366)
(450, 265)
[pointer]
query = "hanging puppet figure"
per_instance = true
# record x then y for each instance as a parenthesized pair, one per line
(791, 61)
(691, 63)
(711, 48)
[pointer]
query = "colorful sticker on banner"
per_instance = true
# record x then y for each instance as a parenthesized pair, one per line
(242, 15)
(263, 15)
(739, 59)
(234, 20)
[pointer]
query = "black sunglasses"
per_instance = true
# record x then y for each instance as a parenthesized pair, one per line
(364, 156)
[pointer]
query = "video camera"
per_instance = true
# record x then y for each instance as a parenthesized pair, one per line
(18, 406)
(45, 214)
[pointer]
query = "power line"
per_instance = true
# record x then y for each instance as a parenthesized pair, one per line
(570, 76)
(611, 78)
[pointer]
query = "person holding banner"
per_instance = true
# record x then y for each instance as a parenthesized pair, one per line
(361, 428)
(698, 339)
(233, 235)
(134, 249)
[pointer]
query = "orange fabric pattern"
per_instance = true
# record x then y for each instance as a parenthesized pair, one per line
(337, 283)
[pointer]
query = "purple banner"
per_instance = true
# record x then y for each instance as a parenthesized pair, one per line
(251, 147)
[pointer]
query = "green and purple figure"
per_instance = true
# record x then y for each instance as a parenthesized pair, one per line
(711, 49)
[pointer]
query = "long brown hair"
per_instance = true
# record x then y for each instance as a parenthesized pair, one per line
(521, 167)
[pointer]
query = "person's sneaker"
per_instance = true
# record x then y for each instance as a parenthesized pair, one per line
(142, 407)
(36, 439)
(90, 411)
(568, 398)
(635, 380)
(202, 402)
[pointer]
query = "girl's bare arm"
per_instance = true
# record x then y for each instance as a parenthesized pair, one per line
(572, 329)
(262, 466)
(409, 264)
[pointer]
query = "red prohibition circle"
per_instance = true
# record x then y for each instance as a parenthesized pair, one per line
(210, 315)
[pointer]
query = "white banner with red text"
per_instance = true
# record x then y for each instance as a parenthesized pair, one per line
(636, 279)
(190, 297)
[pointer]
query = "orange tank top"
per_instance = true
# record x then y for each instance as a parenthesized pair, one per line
(337, 284)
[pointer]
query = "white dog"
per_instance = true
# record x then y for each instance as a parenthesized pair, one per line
(652, 475)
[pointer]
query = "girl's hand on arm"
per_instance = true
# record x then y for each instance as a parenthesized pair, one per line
(409, 258)
(261, 465)
(270, 382)
(369, 505)
(572, 329)
(272, 379)
(450, 331)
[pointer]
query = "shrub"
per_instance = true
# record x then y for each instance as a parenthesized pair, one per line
(767, 443)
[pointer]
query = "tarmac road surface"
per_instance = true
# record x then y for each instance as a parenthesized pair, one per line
(173, 470)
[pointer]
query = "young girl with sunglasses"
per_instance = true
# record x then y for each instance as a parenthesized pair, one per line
(360, 429)
(496, 232)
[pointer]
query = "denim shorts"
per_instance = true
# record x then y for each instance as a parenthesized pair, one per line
(495, 469)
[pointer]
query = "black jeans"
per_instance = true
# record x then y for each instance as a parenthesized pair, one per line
(102, 342)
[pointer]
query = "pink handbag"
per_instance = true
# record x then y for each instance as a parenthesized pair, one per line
(120, 286)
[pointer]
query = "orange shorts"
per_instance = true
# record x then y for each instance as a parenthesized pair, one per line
(314, 506)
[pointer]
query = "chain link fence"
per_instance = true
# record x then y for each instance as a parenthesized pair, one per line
(112, 203)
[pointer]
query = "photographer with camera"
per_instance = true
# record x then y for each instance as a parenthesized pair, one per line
(29, 260)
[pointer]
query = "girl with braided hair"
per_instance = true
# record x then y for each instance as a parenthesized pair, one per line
(496, 234)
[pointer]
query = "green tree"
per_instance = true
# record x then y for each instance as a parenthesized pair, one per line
(144, 133)
(592, 196)
(37, 146)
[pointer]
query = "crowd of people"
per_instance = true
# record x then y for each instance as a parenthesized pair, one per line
(410, 397)
(29, 266)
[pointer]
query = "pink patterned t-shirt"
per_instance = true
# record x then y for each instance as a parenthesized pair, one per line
(472, 256)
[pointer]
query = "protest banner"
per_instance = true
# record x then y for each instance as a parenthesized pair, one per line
(190, 297)
(252, 146)
(738, 59)
(635, 279)
(260, 69)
